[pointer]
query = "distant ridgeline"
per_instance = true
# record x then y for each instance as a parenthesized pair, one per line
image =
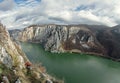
(90, 39)
(12, 63)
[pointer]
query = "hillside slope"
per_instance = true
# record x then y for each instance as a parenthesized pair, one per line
(13, 63)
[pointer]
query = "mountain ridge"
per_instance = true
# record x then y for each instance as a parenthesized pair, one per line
(92, 39)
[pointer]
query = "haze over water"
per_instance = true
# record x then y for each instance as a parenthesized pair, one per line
(74, 68)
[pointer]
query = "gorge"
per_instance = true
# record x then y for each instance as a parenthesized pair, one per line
(89, 39)
(59, 41)
(66, 40)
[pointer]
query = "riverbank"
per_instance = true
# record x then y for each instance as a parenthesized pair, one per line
(76, 51)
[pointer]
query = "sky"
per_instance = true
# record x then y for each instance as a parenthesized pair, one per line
(16, 14)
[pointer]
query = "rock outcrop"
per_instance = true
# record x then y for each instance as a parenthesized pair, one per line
(10, 52)
(91, 39)
(13, 63)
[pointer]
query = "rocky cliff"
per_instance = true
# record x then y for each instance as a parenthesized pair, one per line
(13, 63)
(10, 52)
(90, 39)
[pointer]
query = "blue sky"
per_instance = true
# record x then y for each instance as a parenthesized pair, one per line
(22, 13)
(1, 0)
(26, 1)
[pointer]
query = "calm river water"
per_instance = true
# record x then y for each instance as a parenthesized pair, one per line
(74, 68)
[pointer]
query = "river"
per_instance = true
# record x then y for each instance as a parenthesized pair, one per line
(74, 68)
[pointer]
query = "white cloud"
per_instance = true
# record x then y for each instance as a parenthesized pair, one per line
(20, 15)
(7, 5)
(98, 19)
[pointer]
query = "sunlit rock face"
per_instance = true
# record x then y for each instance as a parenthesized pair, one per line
(10, 52)
(63, 38)
(91, 39)
(5, 58)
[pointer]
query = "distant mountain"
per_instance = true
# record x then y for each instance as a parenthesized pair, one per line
(91, 39)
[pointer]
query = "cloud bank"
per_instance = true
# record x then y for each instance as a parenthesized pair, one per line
(22, 13)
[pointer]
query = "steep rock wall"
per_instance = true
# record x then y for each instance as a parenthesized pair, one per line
(63, 38)
(90, 39)
(8, 50)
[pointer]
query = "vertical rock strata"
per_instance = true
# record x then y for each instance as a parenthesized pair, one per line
(90, 39)
(63, 38)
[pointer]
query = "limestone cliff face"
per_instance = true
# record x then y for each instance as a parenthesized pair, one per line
(10, 52)
(63, 38)
(91, 39)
